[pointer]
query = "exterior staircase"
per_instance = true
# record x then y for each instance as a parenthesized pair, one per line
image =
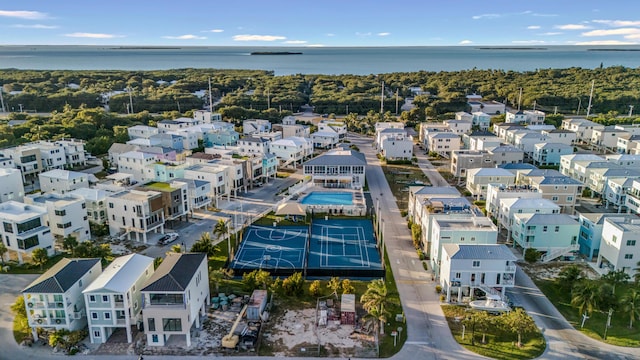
(556, 253)
(488, 290)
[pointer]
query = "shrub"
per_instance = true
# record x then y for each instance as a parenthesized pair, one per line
(420, 254)
(438, 288)
(425, 266)
(442, 298)
(404, 213)
(467, 193)
(314, 288)
(531, 255)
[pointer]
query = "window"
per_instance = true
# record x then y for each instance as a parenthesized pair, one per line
(557, 228)
(92, 298)
(110, 205)
(94, 315)
(60, 212)
(28, 243)
(96, 333)
(29, 225)
(172, 324)
(628, 256)
(154, 338)
(458, 275)
(105, 298)
(544, 228)
(8, 227)
(631, 243)
(107, 316)
(614, 239)
(151, 324)
(476, 263)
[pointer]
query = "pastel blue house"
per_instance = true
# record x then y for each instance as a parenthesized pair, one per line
(222, 137)
(553, 234)
(269, 165)
(167, 172)
(481, 120)
(591, 231)
(549, 153)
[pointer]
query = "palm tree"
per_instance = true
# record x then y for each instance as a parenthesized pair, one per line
(176, 249)
(631, 305)
(585, 296)
(221, 229)
(616, 277)
(69, 243)
(334, 285)
(375, 299)
(3, 250)
(636, 275)
(40, 257)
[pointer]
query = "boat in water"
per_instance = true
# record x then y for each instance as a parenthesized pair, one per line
(492, 304)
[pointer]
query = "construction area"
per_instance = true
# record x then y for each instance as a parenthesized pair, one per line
(245, 325)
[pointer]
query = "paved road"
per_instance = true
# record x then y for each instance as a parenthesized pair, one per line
(563, 341)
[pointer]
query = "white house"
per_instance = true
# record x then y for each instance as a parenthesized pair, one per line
(291, 151)
(395, 144)
(141, 131)
(497, 192)
(333, 126)
(620, 245)
(95, 200)
(135, 212)
(479, 140)
(175, 298)
(582, 127)
(490, 268)
(324, 139)
(54, 300)
(509, 207)
(461, 160)
(216, 175)
(458, 127)
(481, 120)
(506, 154)
(530, 117)
(138, 164)
(253, 145)
(607, 137)
(253, 126)
(197, 192)
(116, 149)
(24, 228)
(560, 136)
(12, 186)
(113, 299)
(62, 181)
(66, 214)
(468, 230)
(443, 142)
(337, 168)
(478, 180)
(554, 186)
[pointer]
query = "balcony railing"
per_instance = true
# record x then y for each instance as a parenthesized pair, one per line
(48, 321)
(511, 268)
(121, 321)
(165, 306)
(119, 304)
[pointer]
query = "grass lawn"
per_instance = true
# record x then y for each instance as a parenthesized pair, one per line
(271, 217)
(398, 177)
(29, 268)
(499, 344)
(21, 329)
(619, 332)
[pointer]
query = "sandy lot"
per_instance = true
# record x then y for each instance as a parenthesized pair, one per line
(550, 271)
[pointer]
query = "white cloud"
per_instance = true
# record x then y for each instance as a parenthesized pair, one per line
(315, 45)
(185, 37)
(363, 34)
(295, 42)
(486, 16)
(528, 42)
(384, 34)
(632, 36)
(533, 27)
(465, 42)
(550, 33)
(330, 34)
(609, 32)
(617, 23)
(572, 27)
(23, 14)
(93, 35)
(544, 15)
(35, 26)
(247, 37)
(214, 31)
(606, 42)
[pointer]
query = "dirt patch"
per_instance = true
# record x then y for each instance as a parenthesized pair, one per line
(295, 334)
(550, 271)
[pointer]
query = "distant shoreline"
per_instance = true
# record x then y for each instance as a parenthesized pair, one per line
(512, 48)
(145, 48)
(275, 53)
(613, 49)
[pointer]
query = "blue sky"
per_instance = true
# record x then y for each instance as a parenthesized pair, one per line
(319, 22)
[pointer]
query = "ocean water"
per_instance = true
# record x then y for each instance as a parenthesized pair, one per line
(329, 60)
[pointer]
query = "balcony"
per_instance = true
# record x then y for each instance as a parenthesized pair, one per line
(511, 268)
(121, 321)
(55, 305)
(165, 306)
(119, 304)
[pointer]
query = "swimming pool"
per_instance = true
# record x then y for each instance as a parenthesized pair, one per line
(328, 198)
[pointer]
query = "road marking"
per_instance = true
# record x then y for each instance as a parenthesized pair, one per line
(417, 343)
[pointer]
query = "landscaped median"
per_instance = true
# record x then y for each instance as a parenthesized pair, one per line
(495, 336)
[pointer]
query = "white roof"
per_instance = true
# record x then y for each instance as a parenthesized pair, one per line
(325, 134)
(137, 155)
(530, 203)
(121, 274)
(90, 194)
(489, 172)
(292, 141)
(63, 174)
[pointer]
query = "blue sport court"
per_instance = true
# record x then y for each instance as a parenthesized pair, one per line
(279, 250)
(344, 248)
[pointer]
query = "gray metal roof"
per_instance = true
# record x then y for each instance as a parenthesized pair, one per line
(340, 157)
(439, 190)
(175, 272)
(61, 276)
(479, 252)
(518, 166)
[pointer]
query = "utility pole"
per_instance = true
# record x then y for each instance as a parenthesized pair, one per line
(268, 99)
(1, 101)
(382, 99)
(519, 99)
(210, 99)
(130, 100)
(555, 110)
(534, 105)
(20, 105)
(630, 106)
(397, 99)
(579, 104)
(593, 82)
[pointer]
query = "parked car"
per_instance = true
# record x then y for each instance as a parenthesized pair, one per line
(168, 238)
